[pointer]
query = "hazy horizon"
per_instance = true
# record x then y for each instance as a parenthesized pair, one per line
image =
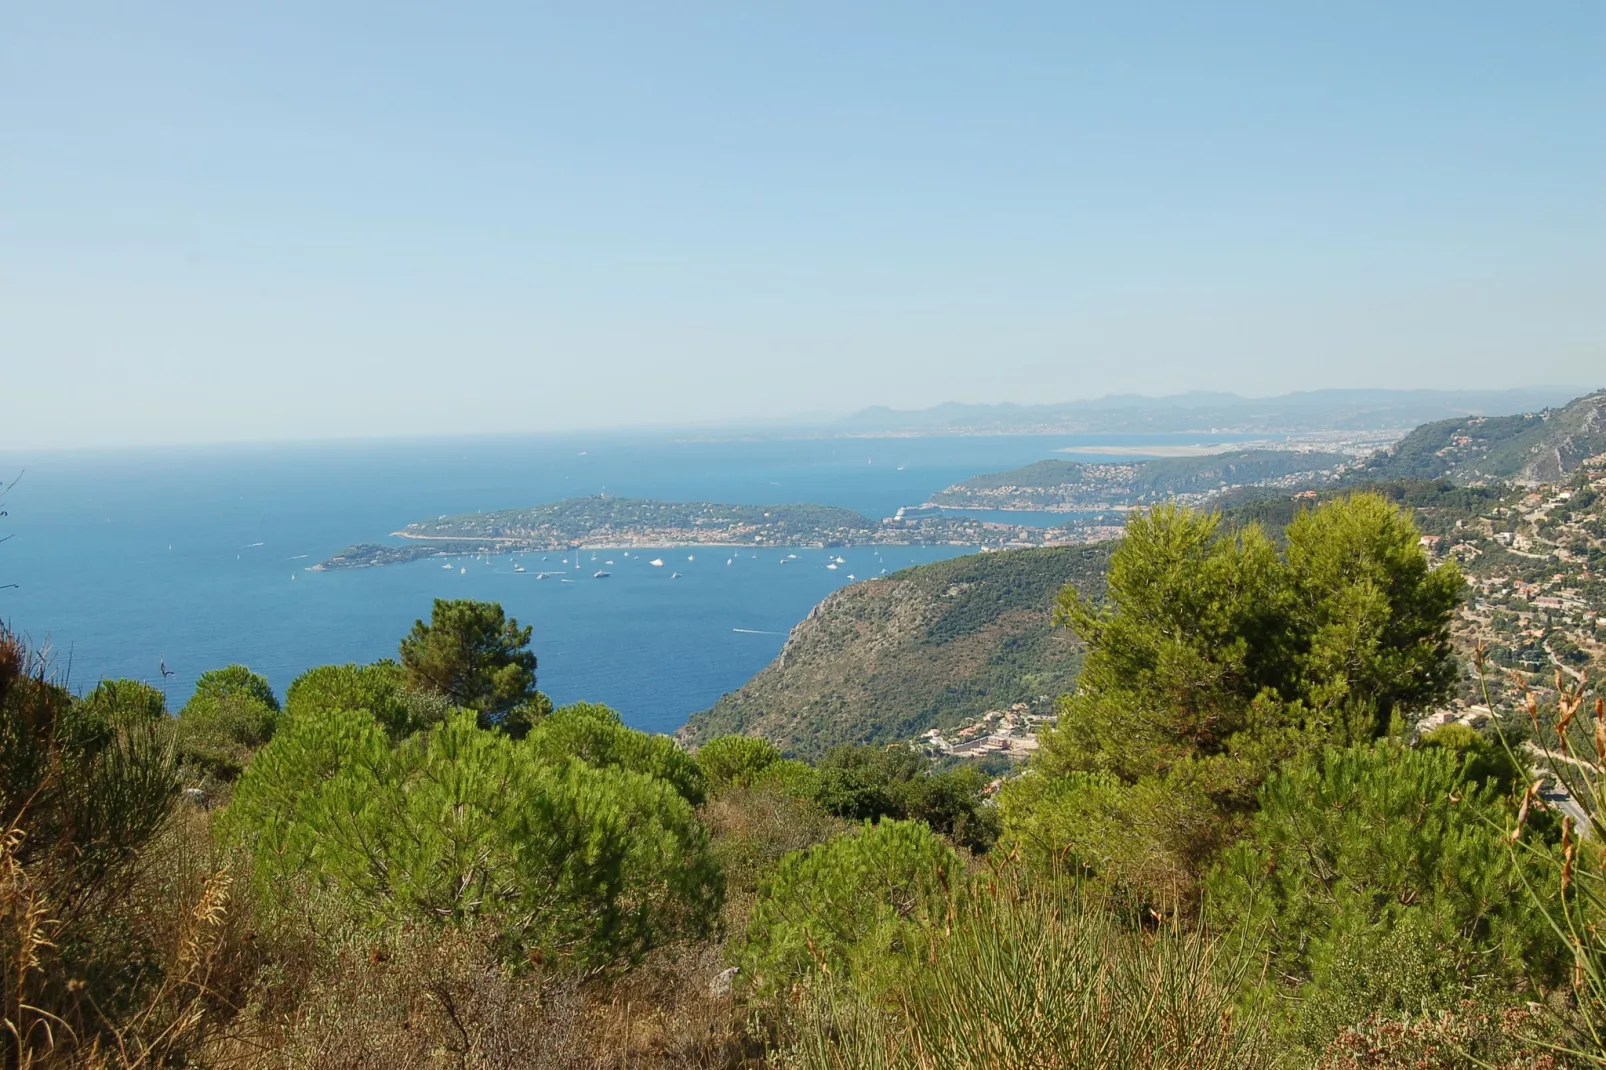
(801, 426)
(308, 223)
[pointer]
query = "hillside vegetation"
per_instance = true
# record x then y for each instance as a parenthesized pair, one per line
(940, 644)
(1072, 485)
(922, 648)
(1234, 850)
(1534, 447)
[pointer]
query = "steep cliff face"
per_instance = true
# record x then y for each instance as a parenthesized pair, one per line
(1537, 447)
(887, 658)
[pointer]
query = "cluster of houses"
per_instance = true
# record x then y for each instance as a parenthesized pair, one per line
(1011, 731)
(1541, 601)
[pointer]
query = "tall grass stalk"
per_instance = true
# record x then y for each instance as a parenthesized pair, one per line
(1030, 977)
(1569, 741)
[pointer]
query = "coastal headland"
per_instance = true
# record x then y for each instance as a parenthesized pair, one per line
(604, 522)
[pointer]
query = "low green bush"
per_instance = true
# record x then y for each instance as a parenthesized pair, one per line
(594, 734)
(1378, 879)
(561, 861)
(735, 761)
(232, 713)
(854, 907)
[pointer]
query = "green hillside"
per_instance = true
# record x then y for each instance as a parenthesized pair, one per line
(939, 644)
(1535, 447)
(1075, 484)
(925, 647)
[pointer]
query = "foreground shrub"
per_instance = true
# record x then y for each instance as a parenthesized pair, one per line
(232, 713)
(589, 866)
(1125, 844)
(1214, 658)
(100, 948)
(426, 998)
(124, 702)
(1021, 979)
(475, 656)
(1379, 879)
(735, 761)
(1469, 1035)
(380, 689)
(235, 680)
(789, 775)
(1486, 760)
(594, 734)
(1568, 891)
(853, 907)
(864, 783)
(752, 830)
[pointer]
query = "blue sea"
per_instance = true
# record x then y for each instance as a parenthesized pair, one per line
(198, 557)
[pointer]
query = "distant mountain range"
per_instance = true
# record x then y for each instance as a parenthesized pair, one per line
(1202, 411)
(1531, 447)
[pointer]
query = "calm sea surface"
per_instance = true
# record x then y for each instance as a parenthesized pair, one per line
(198, 556)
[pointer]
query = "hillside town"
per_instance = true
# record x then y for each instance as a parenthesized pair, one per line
(1536, 572)
(1535, 564)
(1010, 732)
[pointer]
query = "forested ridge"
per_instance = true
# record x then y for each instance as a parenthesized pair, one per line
(1533, 447)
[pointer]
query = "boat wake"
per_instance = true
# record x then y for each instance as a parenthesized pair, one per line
(755, 631)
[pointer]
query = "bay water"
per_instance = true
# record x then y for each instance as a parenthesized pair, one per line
(198, 557)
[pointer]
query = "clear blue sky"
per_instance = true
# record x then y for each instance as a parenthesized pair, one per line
(232, 220)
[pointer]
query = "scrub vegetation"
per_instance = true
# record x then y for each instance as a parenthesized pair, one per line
(1237, 847)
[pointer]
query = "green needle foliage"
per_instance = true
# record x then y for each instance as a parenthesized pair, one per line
(125, 702)
(735, 761)
(593, 733)
(477, 657)
(1378, 879)
(1487, 760)
(1215, 658)
(235, 681)
(232, 713)
(380, 689)
(854, 907)
(865, 783)
(555, 861)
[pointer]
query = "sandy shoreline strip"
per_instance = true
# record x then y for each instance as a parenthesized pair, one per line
(1201, 449)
